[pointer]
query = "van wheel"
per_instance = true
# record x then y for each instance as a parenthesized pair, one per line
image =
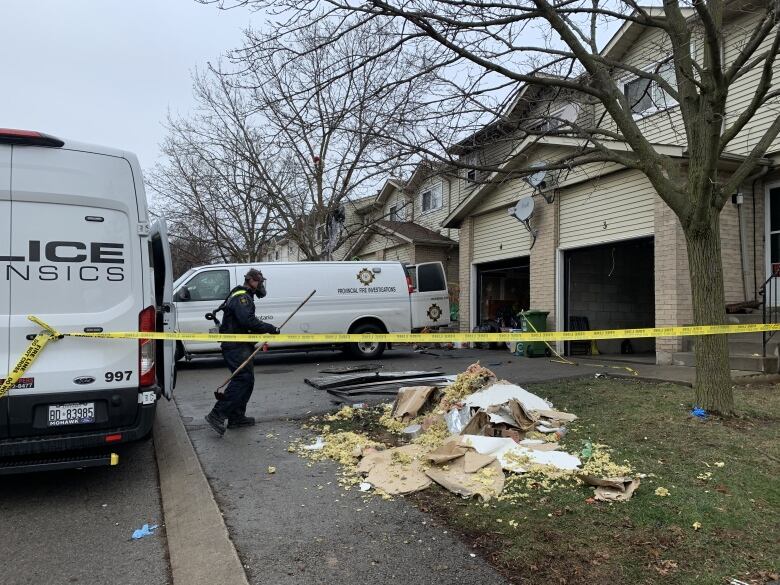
(179, 352)
(366, 351)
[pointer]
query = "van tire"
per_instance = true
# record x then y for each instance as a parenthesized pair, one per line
(364, 351)
(179, 352)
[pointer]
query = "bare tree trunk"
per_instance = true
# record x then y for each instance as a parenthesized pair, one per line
(713, 378)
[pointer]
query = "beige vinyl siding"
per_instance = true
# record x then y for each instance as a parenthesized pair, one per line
(400, 253)
(509, 191)
(379, 242)
(498, 236)
(625, 201)
(744, 89)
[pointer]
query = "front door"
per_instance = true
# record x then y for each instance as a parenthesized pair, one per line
(773, 230)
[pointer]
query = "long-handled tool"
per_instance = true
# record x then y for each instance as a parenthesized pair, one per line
(218, 394)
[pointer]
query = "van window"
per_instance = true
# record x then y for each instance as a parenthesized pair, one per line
(430, 277)
(209, 285)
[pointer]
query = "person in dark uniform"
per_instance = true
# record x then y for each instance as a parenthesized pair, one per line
(239, 317)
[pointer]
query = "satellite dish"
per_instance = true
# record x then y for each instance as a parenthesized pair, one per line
(536, 179)
(524, 208)
(522, 211)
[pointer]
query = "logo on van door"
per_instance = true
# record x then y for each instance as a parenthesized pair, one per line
(365, 277)
(69, 261)
(434, 312)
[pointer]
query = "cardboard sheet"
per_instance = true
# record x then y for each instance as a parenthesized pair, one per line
(396, 471)
(486, 483)
(410, 401)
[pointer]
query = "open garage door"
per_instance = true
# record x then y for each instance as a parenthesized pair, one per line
(611, 286)
(503, 290)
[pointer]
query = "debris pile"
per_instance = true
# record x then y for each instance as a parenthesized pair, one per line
(476, 437)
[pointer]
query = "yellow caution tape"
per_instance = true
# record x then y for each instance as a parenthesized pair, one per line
(24, 362)
(442, 337)
(49, 334)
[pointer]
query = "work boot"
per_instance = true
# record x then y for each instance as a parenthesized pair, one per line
(241, 421)
(216, 422)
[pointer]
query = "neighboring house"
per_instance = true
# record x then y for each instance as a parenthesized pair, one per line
(404, 222)
(607, 248)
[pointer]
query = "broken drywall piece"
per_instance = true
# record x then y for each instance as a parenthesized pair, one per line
(556, 415)
(473, 461)
(395, 471)
(449, 451)
(512, 455)
(612, 489)
(501, 393)
(546, 429)
(410, 400)
(477, 424)
(486, 483)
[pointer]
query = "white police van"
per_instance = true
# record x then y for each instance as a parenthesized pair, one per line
(78, 251)
(351, 297)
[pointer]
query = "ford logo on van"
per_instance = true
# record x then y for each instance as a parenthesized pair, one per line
(83, 380)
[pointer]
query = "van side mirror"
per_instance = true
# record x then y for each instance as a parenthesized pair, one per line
(183, 294)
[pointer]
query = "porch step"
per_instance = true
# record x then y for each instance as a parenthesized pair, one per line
(743, 344)
(745, 362)
(757, 317)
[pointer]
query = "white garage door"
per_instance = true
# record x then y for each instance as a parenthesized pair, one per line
(616, 207)
(498, 236)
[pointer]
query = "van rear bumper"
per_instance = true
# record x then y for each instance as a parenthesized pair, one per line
(81, 439)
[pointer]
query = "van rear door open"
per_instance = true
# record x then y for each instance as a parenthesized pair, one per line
(5, 287)
(430, 299)
(163, 298)
(76, 264)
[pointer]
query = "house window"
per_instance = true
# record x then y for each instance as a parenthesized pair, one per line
(471, 175)
(645, 96)
(277, 255)
(431, 198)
(397, 212)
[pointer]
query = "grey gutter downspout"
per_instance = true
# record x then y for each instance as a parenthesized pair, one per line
(742, 237)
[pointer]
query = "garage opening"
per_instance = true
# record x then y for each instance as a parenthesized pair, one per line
(503, 290)
(610, 286)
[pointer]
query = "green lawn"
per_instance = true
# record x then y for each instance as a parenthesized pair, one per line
(561, 537)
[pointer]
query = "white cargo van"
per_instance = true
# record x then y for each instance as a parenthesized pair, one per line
(79, 252)
(352, 297)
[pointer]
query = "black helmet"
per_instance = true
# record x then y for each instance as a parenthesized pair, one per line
(254, 274)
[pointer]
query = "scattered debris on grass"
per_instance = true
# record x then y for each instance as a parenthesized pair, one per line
(477, 437)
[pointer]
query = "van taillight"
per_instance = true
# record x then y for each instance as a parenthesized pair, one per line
(28, 138)
(409, 284)
(146, 350)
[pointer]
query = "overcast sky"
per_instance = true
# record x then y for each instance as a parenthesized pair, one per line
(107, 71)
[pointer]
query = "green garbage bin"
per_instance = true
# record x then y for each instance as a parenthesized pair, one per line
(534, 321)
